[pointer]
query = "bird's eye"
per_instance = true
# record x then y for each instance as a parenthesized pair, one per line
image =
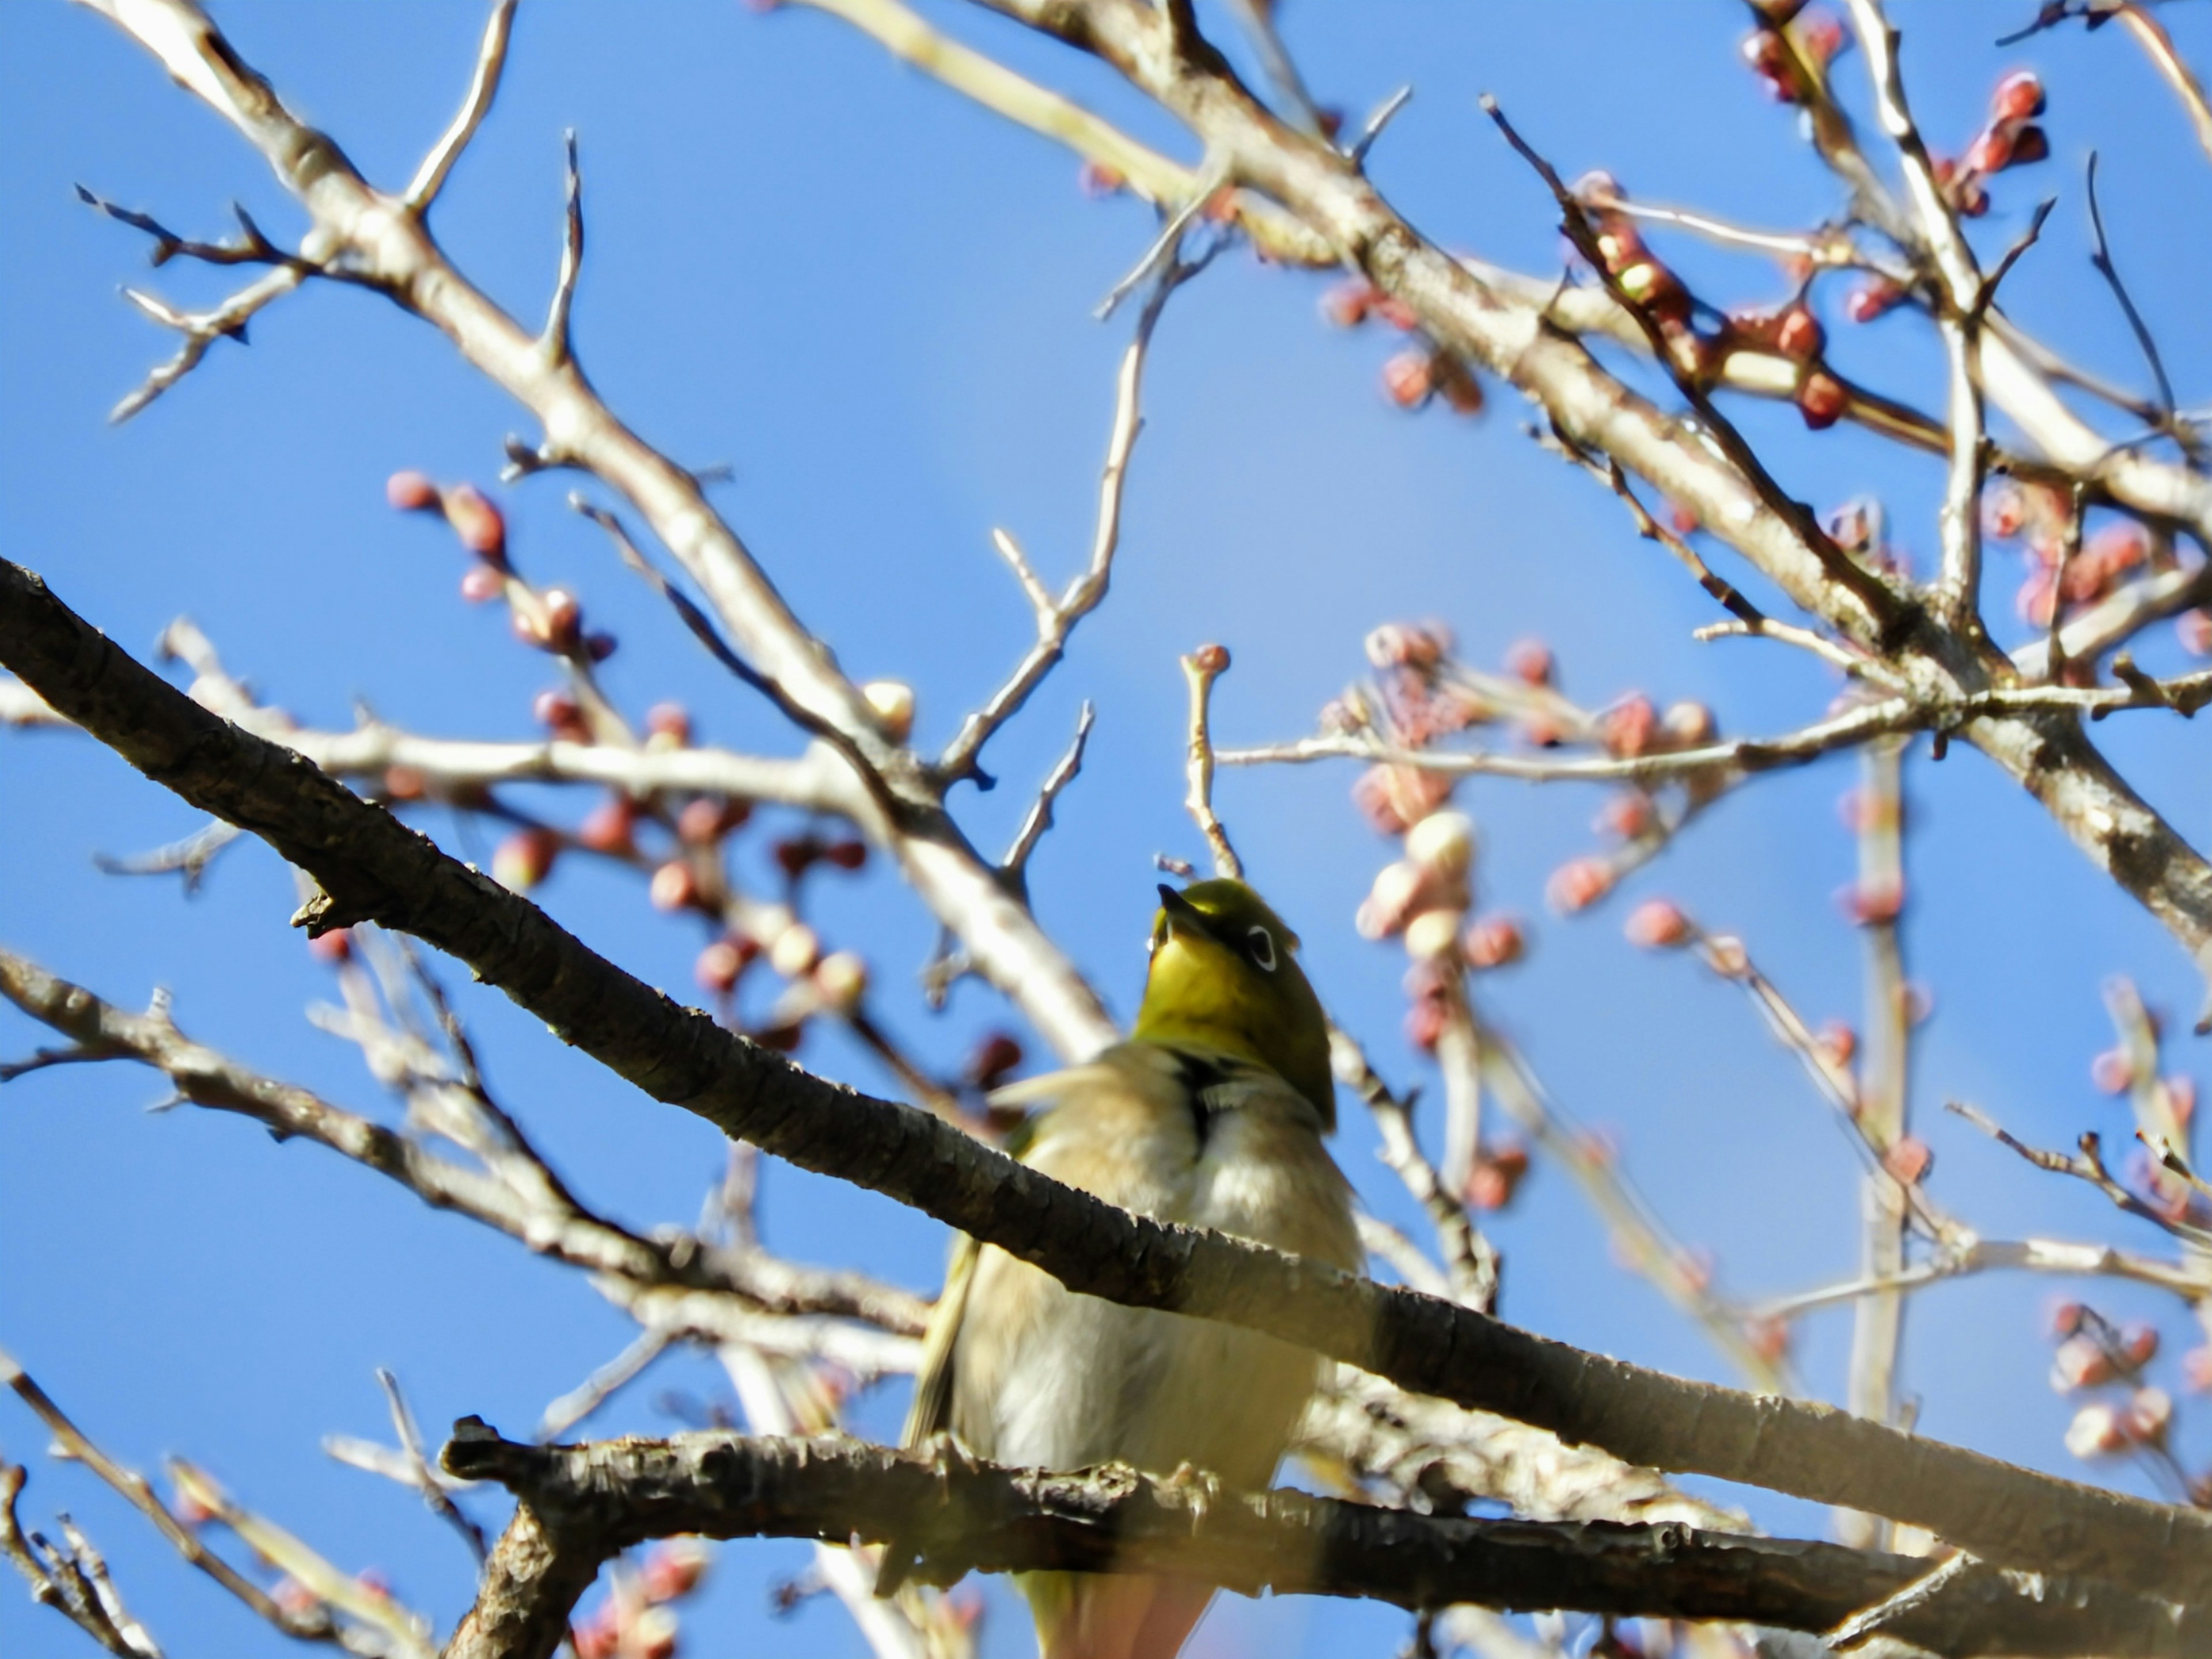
(1263, 947)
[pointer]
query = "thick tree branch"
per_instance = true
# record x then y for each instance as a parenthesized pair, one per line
(953, 1515)
(371, 865)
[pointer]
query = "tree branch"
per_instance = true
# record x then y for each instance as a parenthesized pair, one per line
(954, 1516)
(370, 865)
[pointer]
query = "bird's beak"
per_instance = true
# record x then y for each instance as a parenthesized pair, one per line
(1181, 915)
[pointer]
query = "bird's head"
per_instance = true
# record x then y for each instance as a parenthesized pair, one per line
(1224, 977)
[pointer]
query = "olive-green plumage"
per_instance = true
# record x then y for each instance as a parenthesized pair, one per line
(1212, 1115)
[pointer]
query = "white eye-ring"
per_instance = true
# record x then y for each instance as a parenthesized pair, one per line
(1263, 947)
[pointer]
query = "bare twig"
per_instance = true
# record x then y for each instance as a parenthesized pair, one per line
(1038, 819)
(201, 329)
(1200, 670)
(1056, 619)
(601, 1386)
(74, 1581)
(426, 1479)
(553, 341)
(189, 858)
(2102, 259)
(312, 1625)
(2087, 1165)
(483, 87)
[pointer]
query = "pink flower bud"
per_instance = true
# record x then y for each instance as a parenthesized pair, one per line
(333, 947)
(2111, 1072)
(673, 1568)
(481, 583)
(1406, 380)
(1872, 297)
(721, 963)
(562, 619)
(1578, 884)
(1627, 729)
(2018, 96)
(1348, 304)
(477, 522)
(1495, 941)
(607, 828)
(2095, 1431)
(410, 492)
(2080, 1362)
(669, 719)
(991, 1059)
(1659, 925)
(2150, 1413)
(675, 887)
(1098, 181)
(1908, 1158)
(1530, 661)
(524, 858)
(1821, 400)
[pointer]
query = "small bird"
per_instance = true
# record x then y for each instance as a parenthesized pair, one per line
(1211, 1114)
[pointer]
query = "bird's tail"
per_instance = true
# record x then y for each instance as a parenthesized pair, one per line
(1088, 1615)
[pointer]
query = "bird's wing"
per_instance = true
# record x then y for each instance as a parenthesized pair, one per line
(932, 1410)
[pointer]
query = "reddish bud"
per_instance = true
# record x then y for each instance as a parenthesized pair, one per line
(1992, 151)
(1496, 1176)
(2111, 1072)
(2018, 97)
(1495, 941)
(2194, 630)
(1530, 661)
(2181, 1096)
(2096, 1432)
(1799, 334)
(796, 855)
(1211, 658)
(1407, 645)
(673, 1569)
(846, 854)
(675, 887)
(1681, 520)
(1098, 181)
(1658, 924)
(1821, 400)
(1820, 34)
(705, 821)
(607, 827)
(2030, 145)
(524, 858)
(599, 647)
(1836, 1043)
(1767, 55)
(1406, 380)
(784, 1039)
(403, 783)
(2139, 1346)
(1627, 729)
(721, 963)
(2066, 1318)
(477, 522)
(1346, 304)
(481, 583)
(560, 714)
(1425, 1023)
(410, 492)
(2150, 1413)
(669, 719)
(991, 1059)
(1769, 1338)
(651, 1635)
(1578, 884)
(333, 947)
(1397, 313)
(1872, 297)
(2080, 1362)
(1628, 815)
(561, 619)
(1687, 725)
(1908, 1158)
(2197, 1369)
(1873, 903)
(2004, 510)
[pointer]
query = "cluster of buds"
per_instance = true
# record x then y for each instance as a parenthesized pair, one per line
(1791, 332)
(1791, 50)
(1413, 377)
(638, 1619)
(551, 621)
(2010, 138)
(2094, 1353)
(2040, 518)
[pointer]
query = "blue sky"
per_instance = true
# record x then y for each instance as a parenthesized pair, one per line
(873, 301)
